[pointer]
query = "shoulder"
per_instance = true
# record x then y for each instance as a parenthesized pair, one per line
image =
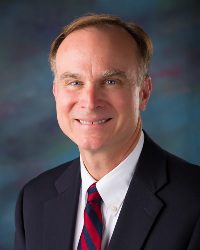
(179, 172)
(44, 185)
(183, 172)
(156, 151)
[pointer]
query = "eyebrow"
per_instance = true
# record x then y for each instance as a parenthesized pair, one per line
(115, 72)
(69, 75)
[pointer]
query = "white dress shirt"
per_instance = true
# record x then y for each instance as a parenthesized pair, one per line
(112, 189)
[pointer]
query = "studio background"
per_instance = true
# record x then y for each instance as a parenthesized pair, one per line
(31, 141)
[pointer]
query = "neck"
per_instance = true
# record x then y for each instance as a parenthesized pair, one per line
(100, 164)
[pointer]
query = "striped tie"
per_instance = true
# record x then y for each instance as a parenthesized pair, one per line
(91, 235)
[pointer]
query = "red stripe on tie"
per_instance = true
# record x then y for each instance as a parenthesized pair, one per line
(83, 243)
(94, 196)
(97, 211)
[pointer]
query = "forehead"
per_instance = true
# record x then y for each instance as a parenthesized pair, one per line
(107, 34)
(98, 45)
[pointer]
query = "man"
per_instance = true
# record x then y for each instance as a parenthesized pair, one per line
(144, 197)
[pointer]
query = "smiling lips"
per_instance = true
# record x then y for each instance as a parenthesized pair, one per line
(85, 122)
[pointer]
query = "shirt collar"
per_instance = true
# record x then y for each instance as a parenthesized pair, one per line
(114, 185)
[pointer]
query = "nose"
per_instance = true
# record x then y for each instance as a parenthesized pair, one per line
(91, 98)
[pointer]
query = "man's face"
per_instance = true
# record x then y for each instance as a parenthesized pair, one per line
(96, 92)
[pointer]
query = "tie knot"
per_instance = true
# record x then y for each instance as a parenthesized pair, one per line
(93, 194)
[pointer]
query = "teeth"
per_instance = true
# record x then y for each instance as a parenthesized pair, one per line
(85, 122)
(99, 122)
(93, 122)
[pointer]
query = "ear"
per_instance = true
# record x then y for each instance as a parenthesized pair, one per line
(145, 92)
(54, 89)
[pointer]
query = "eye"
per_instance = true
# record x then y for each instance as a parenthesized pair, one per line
(73, 83)
(111, 82)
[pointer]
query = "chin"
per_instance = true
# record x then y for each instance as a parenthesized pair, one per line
(90, 146)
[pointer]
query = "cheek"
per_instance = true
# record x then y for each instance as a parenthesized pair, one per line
(65, 101)
(127, 102)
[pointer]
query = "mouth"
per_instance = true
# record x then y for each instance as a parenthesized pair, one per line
(96, 122)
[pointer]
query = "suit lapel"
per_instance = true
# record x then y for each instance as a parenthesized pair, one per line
(60, 212)
(141, 206)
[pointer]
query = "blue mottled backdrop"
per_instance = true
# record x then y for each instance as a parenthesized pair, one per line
(31, 141)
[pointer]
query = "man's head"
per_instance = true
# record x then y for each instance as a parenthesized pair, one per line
(97, 89)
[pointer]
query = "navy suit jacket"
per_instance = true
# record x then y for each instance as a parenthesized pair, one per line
(161, 210)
